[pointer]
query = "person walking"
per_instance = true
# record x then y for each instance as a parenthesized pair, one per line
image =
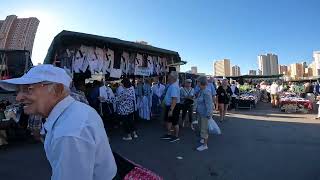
(106, 108)
(187, 98)
(125, 102)
(212, 89)
(204, 112)
(172, 110)
(76, 142)
(224, 96)
(274, 92)
(157, 92)
(235, 94)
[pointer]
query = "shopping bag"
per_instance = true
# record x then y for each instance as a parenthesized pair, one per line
(213, 127)
(128, 170)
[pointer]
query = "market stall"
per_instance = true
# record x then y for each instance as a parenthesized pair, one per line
(247, 100)
(85, 55)
(13, 63)
(290, 102)
(248, 97)
(90, 57)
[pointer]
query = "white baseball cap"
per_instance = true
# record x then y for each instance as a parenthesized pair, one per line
(37, 74)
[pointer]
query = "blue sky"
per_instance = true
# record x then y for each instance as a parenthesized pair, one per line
(201, 31)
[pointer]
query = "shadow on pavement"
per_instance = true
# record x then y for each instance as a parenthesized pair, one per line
(248, 149)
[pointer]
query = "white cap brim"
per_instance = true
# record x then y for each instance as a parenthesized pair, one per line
(12, 84)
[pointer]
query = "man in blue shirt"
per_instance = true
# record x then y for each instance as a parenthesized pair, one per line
(172, 110)
(211, 87)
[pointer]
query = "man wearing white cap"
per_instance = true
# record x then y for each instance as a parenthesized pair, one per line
(76, 143)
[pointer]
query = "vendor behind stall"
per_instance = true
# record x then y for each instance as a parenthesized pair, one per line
(235, 94)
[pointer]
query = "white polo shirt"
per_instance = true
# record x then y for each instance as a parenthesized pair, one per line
(76, 143)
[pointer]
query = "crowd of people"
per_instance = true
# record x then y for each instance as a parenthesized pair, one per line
(77, 117)
(175, 103)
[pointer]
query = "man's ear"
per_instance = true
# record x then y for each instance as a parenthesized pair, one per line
(58, 89)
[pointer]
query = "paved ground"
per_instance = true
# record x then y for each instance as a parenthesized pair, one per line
(259, 144)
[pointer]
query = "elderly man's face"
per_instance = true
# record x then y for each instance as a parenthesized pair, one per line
(35, 98)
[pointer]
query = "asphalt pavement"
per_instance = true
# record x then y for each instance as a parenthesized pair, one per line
(263, 143)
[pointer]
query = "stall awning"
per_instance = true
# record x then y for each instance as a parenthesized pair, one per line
(69, 38)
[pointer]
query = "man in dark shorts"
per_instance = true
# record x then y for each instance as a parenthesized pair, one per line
(172, 110)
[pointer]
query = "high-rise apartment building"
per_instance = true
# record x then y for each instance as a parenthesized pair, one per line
(308, 72)
(235, 71)
(274, 64)
(297, 70)
(313, 67)
(283, 69)
(316, 59)
(194, 70)
(18, 33)
(264, 65)
(252, 72)
(222, 67)
(268, 64)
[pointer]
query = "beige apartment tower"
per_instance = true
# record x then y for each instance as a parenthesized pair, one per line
(18, 33)
(297, 70)
(235, 71)
(268, 64)
(222, 67)
(283, 69)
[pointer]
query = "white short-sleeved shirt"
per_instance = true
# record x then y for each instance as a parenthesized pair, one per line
(274, 89)
(76, 143)
(158, 89)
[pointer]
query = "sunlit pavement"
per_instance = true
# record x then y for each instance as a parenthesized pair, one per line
(263, 143)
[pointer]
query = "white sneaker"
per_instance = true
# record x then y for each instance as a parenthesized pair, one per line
(202, 141)
(128, 138)
(135, 135)
(202, 148)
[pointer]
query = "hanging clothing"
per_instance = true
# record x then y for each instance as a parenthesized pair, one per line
(150, 64)
(159, 66)
(139, 60)
(100, 58)
(145, 102)
(92, 59)
(155, 64)
(131, 64)
(110, 60)
(85, 63)
(117, 59)
(124, 63)
(78, 62)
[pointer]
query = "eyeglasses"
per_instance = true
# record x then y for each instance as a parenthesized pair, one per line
(30, 88)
